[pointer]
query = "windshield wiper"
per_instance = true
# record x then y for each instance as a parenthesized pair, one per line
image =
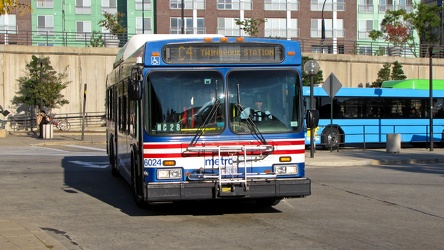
(250, 124)
(210, 116)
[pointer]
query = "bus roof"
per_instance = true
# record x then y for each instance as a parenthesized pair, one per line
(137, 41)
(414, 84)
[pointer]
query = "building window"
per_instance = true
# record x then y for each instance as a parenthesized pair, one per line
(277, 27)
(83, 7)
(147, 5)
(234, 5)
(406, 5)
(45, 25)
(385, 5)
(365, 7)
(177, 4)
(45, 4)
(83, 30)
(144, 28)
(316, 5)
(110, 6)
(293, 5)
(176, 26)
(316, 25)
(365, 26)
(8, 24)
(228, 27)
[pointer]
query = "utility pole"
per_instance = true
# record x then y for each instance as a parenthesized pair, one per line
(143, 16)
(183, 17)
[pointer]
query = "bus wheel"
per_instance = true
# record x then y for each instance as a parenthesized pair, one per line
(136, 182)
(267, 202)
(331, 138)
(112, 160)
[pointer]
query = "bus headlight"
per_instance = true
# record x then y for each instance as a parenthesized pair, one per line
(285, 169)
(174, 173)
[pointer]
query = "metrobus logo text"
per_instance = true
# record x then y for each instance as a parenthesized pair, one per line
(216, 162)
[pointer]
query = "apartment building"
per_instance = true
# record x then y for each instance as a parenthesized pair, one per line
(75, 22)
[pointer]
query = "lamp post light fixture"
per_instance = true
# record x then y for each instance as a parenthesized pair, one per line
(311, 67)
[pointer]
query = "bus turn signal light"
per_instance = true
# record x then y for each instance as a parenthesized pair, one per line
(169, 163)
(285, 159)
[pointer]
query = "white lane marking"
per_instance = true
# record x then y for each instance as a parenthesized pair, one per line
(85, 147)
(47, 149)
(87, 164)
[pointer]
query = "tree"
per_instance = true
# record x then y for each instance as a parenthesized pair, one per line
(395, 28)
(113, 23)
(250, 25)
(318, 78)
(425, 19)
(385, 74)
(41, 86)
(397, 72)
(7, 6)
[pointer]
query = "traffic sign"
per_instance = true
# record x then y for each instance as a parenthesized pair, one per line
(332, 85)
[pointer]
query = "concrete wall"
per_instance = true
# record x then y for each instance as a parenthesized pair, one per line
(354, 69)
(84, 65)
(91, 65)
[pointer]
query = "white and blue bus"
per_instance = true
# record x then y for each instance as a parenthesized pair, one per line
(367, 115)
(200, 117)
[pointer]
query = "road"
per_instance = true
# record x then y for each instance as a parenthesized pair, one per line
(69, 192)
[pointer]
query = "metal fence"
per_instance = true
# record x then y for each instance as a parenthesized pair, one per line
(26, 122)
(308, 45)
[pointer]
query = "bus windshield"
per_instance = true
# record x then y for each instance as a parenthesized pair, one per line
(180, 102)
(267, 97)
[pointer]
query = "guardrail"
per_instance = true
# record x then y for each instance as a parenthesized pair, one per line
(308, 45)
(24, 122)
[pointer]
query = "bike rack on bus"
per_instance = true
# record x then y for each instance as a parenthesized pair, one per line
(227, 176)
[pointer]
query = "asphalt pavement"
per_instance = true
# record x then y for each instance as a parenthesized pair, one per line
(22, 235)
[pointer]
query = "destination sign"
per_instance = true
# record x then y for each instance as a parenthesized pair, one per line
(199, 53)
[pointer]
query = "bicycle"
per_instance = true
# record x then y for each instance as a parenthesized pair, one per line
(61, 124)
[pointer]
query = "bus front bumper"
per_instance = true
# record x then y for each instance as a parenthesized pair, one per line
(206, 190)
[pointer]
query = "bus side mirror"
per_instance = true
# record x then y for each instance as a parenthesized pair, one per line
(134, 90)
(312, 118)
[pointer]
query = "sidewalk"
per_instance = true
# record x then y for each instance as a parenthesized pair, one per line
(19, 235)
(380, 156)
(59, 138)
(15, 235)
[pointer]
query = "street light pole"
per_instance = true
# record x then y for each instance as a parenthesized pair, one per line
(323, 24)
(431, 96)
(311, 67)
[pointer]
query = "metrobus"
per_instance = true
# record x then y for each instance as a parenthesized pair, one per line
(183, 121)
(367, 115)
(438, 84)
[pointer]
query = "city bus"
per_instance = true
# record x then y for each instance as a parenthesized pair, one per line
(438, 84)
(368, 115)
(206, 117)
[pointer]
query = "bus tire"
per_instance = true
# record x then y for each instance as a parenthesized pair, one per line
(331, 137)
(112, 159)
(136, 181)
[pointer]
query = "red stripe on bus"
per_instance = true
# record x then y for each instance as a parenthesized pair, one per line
(202, 154)
(241, 143)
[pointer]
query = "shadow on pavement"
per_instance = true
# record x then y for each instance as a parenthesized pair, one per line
(96, 180)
